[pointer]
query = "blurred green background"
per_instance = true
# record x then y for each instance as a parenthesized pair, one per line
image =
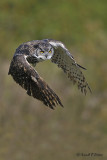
(30, 130)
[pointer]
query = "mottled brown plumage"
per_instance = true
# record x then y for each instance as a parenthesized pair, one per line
(25, 75)
(36, 51)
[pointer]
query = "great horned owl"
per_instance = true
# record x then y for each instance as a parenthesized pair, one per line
(29, 54)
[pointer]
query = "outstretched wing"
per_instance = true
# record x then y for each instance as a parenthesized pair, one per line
(65, 60)
(26, 76)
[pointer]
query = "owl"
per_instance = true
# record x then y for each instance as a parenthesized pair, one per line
(29, 54)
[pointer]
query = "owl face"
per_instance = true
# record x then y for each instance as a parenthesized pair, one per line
(43, 51)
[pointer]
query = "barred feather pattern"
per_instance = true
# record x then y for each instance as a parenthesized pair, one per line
(26, 56)
(65, 60)
(27, 77)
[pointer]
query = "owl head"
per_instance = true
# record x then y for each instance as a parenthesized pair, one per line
(43, 51)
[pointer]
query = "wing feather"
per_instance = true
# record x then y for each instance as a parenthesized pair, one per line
(26, 76)
(65, 60)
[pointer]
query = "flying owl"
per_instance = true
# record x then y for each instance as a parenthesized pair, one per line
(29, 54)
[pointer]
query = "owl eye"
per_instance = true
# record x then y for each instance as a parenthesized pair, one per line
(41, 51)
(50, 51)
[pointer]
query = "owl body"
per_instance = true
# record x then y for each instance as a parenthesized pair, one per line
(33, 52)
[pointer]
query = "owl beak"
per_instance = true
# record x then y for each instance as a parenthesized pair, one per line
(46, 55)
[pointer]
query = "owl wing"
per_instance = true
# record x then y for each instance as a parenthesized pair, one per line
(65, 60)
(26, 76)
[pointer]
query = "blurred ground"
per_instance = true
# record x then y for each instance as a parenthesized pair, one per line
(28, 129)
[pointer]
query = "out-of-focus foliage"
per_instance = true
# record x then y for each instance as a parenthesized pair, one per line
(28, 129)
